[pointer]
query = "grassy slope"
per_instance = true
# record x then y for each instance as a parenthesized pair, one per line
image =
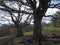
(45, 29)
(4, 39)
(51, 30)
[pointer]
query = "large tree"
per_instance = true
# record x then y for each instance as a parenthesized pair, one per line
(16, 15)
(37, 8)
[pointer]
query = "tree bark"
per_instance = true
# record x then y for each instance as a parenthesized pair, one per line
(37, 28)
(19, 29)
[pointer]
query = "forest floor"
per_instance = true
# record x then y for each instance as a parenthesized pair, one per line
(47, 32)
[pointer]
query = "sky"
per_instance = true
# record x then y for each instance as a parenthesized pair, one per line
(46, 19)
(50, 11)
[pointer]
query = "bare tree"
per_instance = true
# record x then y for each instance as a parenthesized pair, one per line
(16, 15)
(38, 12)
(37, 8)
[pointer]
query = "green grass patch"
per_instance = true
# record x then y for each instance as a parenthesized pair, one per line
(28, 33)
(5, 39)
(51, 28)
(48, 29)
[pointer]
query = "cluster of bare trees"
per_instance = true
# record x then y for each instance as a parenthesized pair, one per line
(33, 8)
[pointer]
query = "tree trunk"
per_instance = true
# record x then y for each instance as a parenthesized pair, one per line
(37, 28)
(19, 30)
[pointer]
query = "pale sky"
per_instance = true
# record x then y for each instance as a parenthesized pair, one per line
(49, 12)
(47, 19)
